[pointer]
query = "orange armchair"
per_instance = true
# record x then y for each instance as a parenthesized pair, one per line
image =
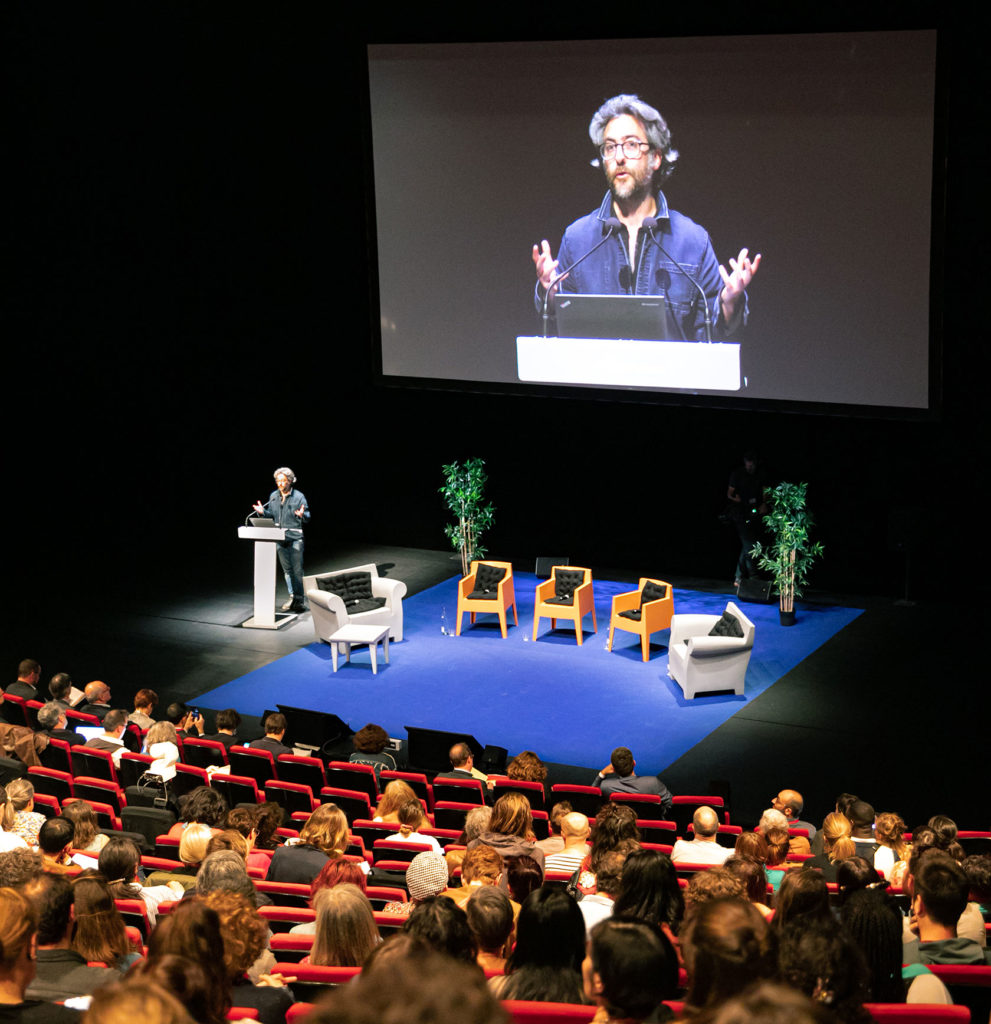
(643, 611)
(487, 588)
(566, 595)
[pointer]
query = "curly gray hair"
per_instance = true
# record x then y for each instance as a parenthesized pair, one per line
(655, 127)
(287, 472)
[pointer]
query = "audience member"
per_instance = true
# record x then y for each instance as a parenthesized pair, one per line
(369, 748)
(523, 875)
(224, 871)
(27, 821)
(615, 829)
(774, 819)
(192, 852)
(162, 744)
(853, 874)
(96, 700)
(335, 872)
(18, 964)
(754, 879)
(822, 962)
(704, 848)
(84, 822)
(443, 926)
(777, 855)
(463, 765)
(202, 805)
(60, 972)
(18, 867)
(727, 946)
(275, 730)
(426, 877)
(836, 844)
(527, 767)
(575, 831)
(25, 685)
(804, 897)
(136, 999)
(545, 964)
(790, 803)
(476, 822)
(861, 816)
(53, 723)
(649, 891)
(751, 845)
(269, 817)
(119, 862)
(889, 831)
(345, 928)
(186, 980)
(482, 866)
(62, 691)
(510, 829)
(491, 920)
(768, 1003)
(325, 835)
(245, 937)
(227, 722)
(55, 845)
(618, 777)
(99, 934)
(145, 702)
(395, 794)
(715, 883)
(629, 968)
(112, 739)
(411, 820)
(424, 986)
(597, 906)
(554, 843)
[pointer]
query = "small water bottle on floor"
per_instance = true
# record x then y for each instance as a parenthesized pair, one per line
(443, 621)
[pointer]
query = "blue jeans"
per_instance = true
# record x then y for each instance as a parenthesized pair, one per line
(291, 559)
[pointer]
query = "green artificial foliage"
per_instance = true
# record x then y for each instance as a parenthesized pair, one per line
(463, 491)
(789, 555)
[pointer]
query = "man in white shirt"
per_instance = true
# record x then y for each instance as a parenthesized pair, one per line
(703, 849)
(598, 905)
(575, 831)
(114, 724)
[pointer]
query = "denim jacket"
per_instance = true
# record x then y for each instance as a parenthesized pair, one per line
(284, 513)
(676, 242)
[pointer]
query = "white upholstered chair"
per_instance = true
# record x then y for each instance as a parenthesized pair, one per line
(356, 595)
(701, 663)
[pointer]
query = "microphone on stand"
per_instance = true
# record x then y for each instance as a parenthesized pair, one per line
(650, 223)
(614, 226)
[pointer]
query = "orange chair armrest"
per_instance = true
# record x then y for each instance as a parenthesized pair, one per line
(466, 585)
(626, 602)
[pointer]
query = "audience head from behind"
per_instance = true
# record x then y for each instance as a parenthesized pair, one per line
(768, 1003)
(51, 716)
(59, 687)
(98, 933)
(629, 968)
(511, 816)
(443, 926)
(136, 999)
(326, 829)
(18, 867)
(190, 982)
(803, 896)
(754, 879)
(727, 945)
(228, 721)
(50, 897)
(193, 844)
(527, 767)
(856, 873)
(490, 918)
(243, 929)
(17, 933)
(705, 823)
(751, 845)
(875, 926)
(483, 865)
(861, 815)
(622, 762)
(345, 927)
(395, 795)
(523, 875)
(55, 839)
(836, 833)
(205, 806)
(224, 871)
(372, 739)
(420, 986)
(939, 894)
(118, 863)
(824, 963)
(337, 871)
(716, 883)
(276, 725)
(426, 876)
(649, 890)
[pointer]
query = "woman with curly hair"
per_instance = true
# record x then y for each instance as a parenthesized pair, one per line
(527, 767)
(395, 794)
(889, 831)
(615, 829)
(323, 837)
(244, 933)
(202, 805)
(98, 932)
(369, 748)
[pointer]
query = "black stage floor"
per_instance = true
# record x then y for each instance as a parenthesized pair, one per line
(890, 708)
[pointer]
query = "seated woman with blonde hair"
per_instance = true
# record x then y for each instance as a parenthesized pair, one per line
(27, 821)
(837, 845)
(511, 830)
(324, 837)
(345, 928)
(889, 831)
(395, 794)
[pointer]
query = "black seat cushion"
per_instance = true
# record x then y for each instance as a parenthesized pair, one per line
(354, 589)
(487, 580)
(728, 625)
(566, 582)
(651, 592)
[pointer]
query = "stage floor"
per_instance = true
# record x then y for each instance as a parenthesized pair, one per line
(862, 713)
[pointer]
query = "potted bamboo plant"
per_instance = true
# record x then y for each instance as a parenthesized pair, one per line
(463, 491)
(789, 554)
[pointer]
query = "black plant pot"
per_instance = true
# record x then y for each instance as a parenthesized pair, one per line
(787, 618)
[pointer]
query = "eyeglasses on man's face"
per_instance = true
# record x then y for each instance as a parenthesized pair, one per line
(631, 147)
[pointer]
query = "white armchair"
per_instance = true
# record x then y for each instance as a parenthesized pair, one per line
(357, 595)
(700, 663)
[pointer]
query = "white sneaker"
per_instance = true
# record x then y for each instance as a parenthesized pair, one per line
(287, 605)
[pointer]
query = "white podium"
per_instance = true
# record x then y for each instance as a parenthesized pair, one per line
(265, 617)
(685, 365)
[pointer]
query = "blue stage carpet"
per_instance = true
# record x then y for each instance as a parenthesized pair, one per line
(571, 704)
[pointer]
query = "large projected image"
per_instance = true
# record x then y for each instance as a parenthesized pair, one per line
(808, 158)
